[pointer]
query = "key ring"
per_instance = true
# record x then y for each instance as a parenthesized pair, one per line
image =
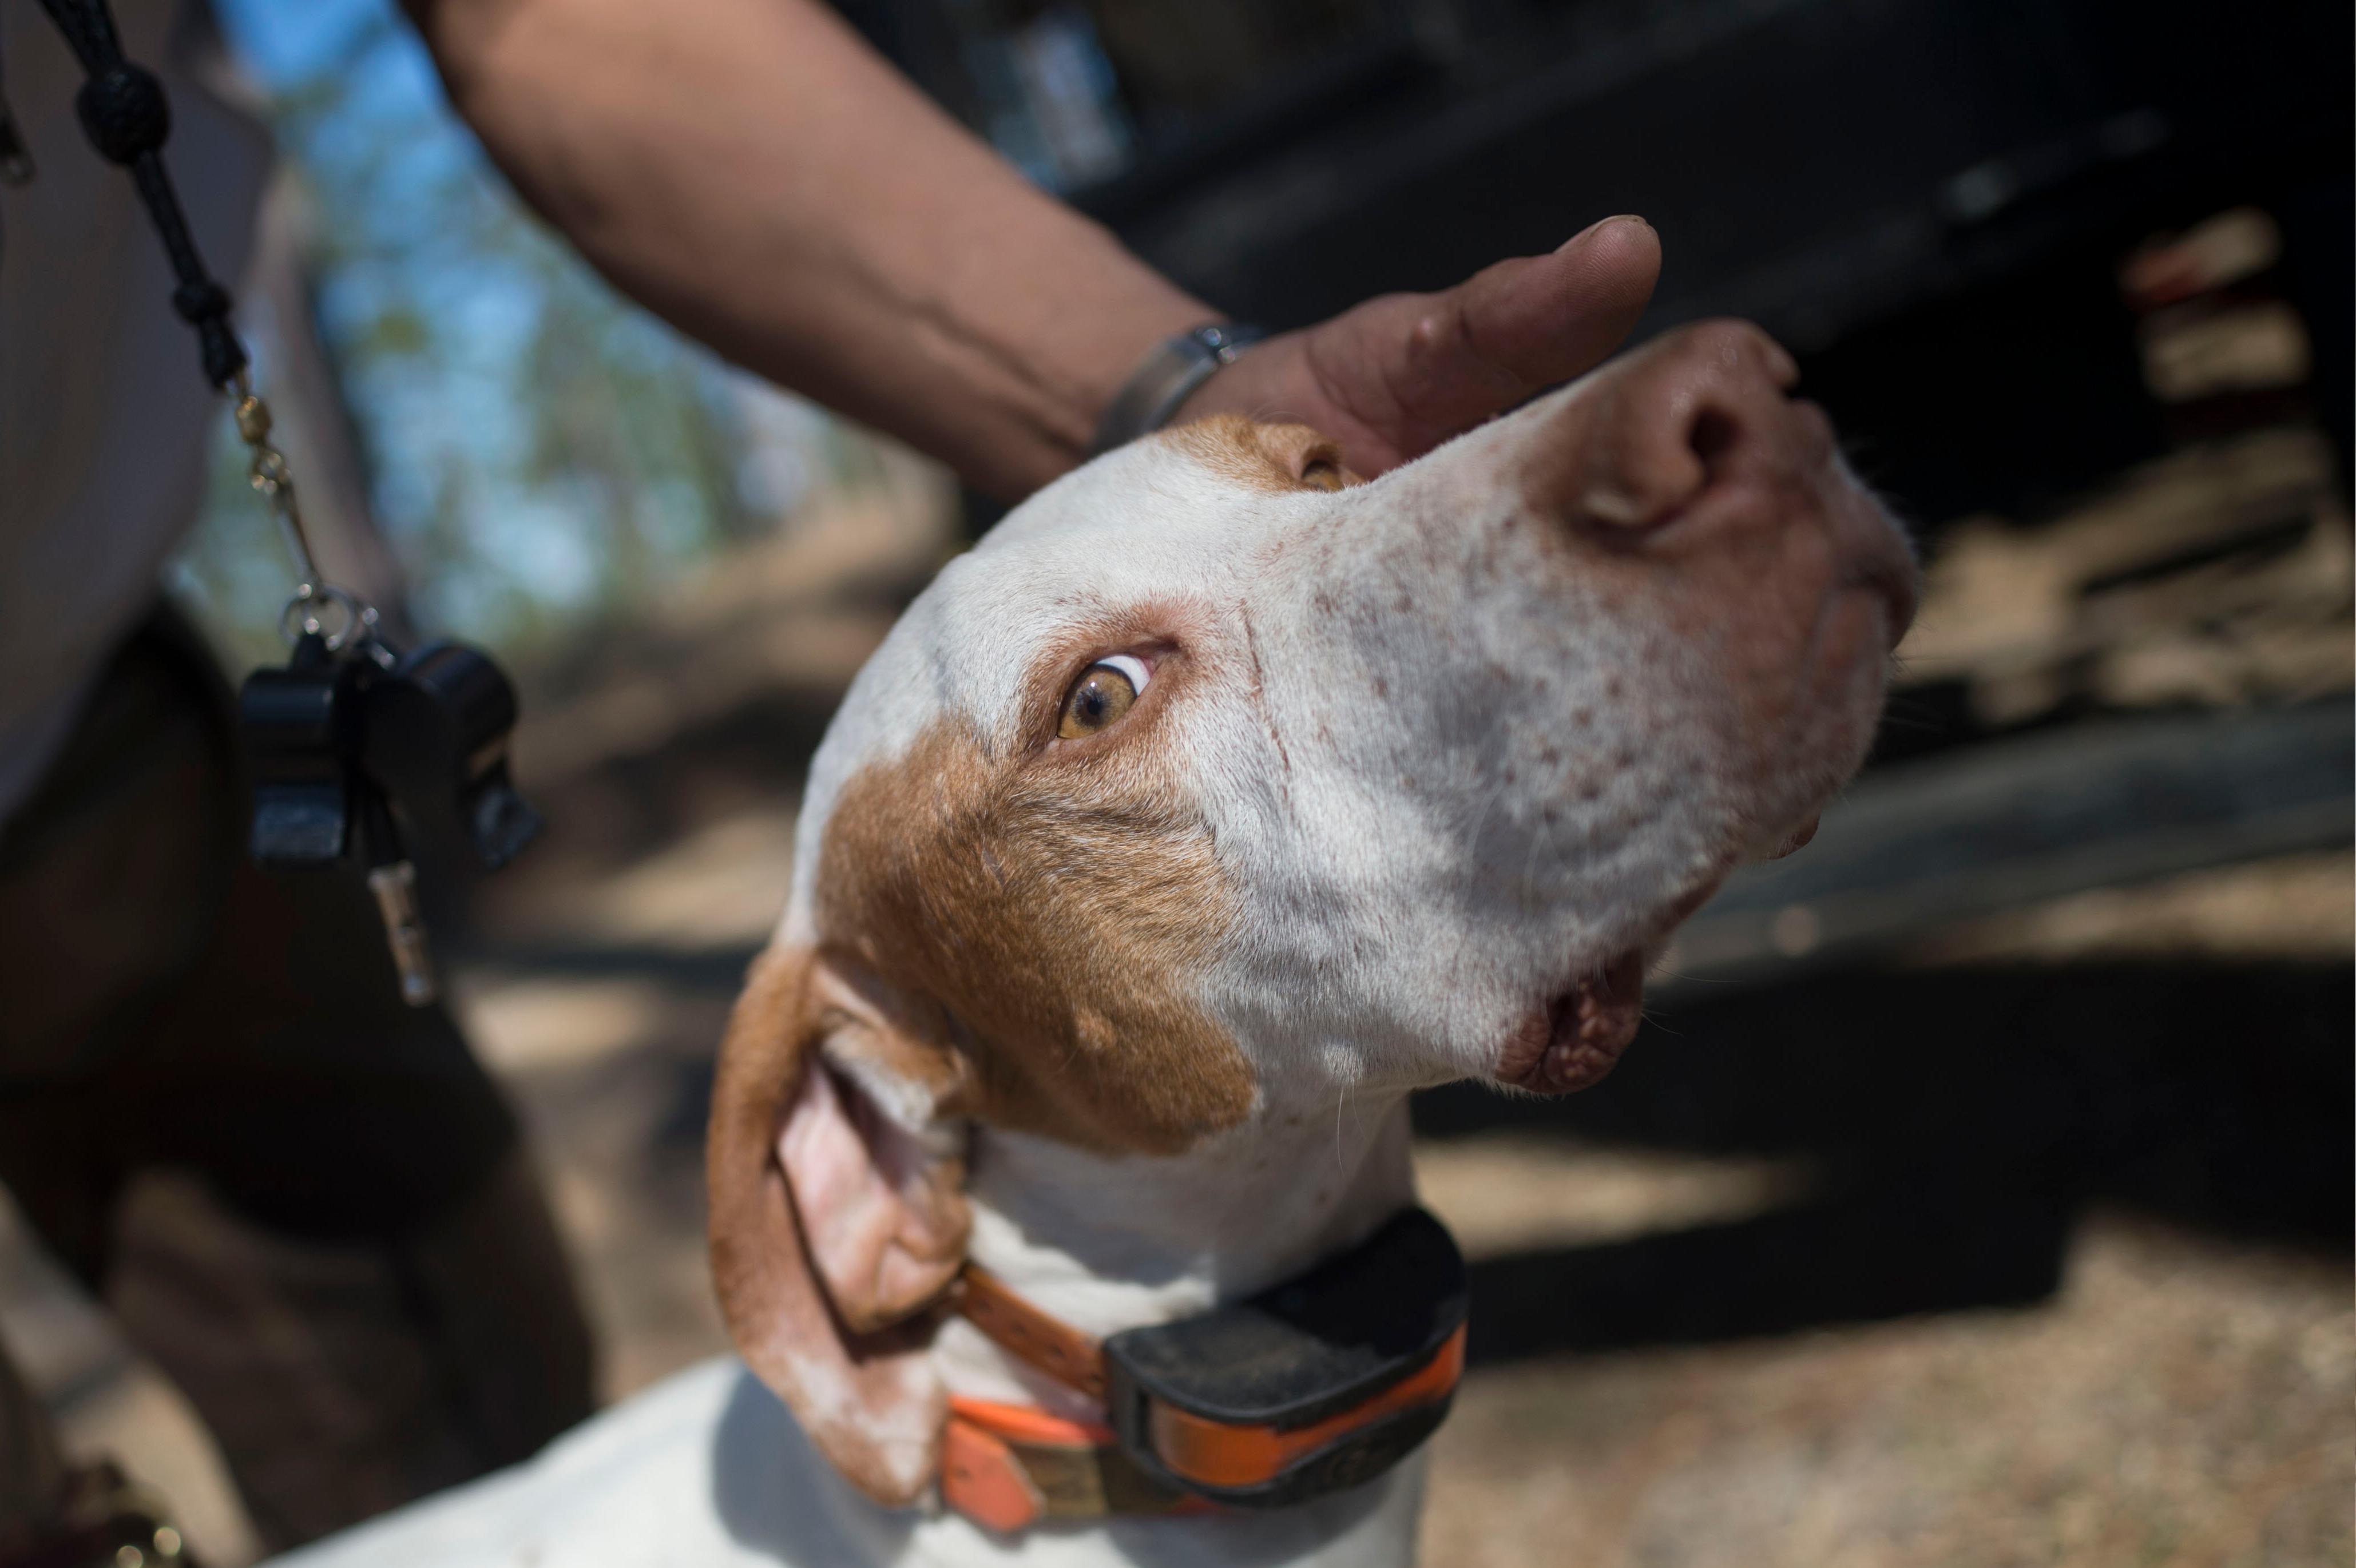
(305, 613)
(304, 616)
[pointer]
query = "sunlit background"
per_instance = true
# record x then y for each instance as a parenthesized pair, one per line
(506, 447)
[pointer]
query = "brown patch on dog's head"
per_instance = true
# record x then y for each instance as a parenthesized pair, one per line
(1054, 911)
(1277, 457)
(1004, 934)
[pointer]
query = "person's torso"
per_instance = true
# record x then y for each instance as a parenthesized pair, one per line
(104, 415)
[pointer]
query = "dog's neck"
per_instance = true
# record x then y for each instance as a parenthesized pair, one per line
(1106, 1244)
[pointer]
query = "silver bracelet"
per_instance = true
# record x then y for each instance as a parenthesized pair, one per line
(1167, 379)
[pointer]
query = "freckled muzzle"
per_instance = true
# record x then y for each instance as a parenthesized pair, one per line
(1623, 640)
(1690, 462)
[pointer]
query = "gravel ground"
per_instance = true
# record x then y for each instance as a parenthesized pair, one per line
(2183, 1403)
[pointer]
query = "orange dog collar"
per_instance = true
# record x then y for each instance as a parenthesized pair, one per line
(1316, 1385)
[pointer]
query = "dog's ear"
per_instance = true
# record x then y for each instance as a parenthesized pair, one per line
(1281, 457)
(1308, 458)
(837, 1214)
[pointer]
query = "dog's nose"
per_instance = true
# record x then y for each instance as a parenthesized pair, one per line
(1702, 407)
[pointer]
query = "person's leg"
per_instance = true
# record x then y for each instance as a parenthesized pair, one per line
(304, 1199)
(109, 878)
(345, 1376)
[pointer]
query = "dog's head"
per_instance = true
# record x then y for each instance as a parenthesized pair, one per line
(1215, 781)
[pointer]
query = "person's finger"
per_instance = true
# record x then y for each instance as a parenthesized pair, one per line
(1395, 376)
(1545, 319)
(1420, 368)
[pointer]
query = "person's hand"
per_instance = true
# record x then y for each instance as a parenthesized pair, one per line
(1396, 376)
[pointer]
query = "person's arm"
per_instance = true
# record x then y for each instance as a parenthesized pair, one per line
(753, 172)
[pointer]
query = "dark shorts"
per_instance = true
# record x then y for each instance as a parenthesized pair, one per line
(208, 1068)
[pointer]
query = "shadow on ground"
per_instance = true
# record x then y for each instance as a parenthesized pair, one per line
(1959, 1120)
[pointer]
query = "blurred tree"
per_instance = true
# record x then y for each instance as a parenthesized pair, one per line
(538, 452)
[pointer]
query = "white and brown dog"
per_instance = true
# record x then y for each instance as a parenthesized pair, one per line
(1211, 805)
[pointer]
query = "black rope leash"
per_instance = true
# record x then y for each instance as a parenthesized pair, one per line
(127, 118)
(352, 738)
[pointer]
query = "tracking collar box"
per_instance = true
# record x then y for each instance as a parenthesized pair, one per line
(1308, 1388)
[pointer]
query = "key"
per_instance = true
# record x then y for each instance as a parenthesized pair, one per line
(393, 878)
(435, 747)
(348, 744)
(314, 804)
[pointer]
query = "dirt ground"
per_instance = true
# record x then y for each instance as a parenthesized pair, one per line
(2184, 1400)
(2181, 1402)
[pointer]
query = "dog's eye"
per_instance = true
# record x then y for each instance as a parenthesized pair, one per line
(1106, 690)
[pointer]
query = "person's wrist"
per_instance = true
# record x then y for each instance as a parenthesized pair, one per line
(1172, 372)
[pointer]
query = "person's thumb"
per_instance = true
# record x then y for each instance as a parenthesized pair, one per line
(1537, 320)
